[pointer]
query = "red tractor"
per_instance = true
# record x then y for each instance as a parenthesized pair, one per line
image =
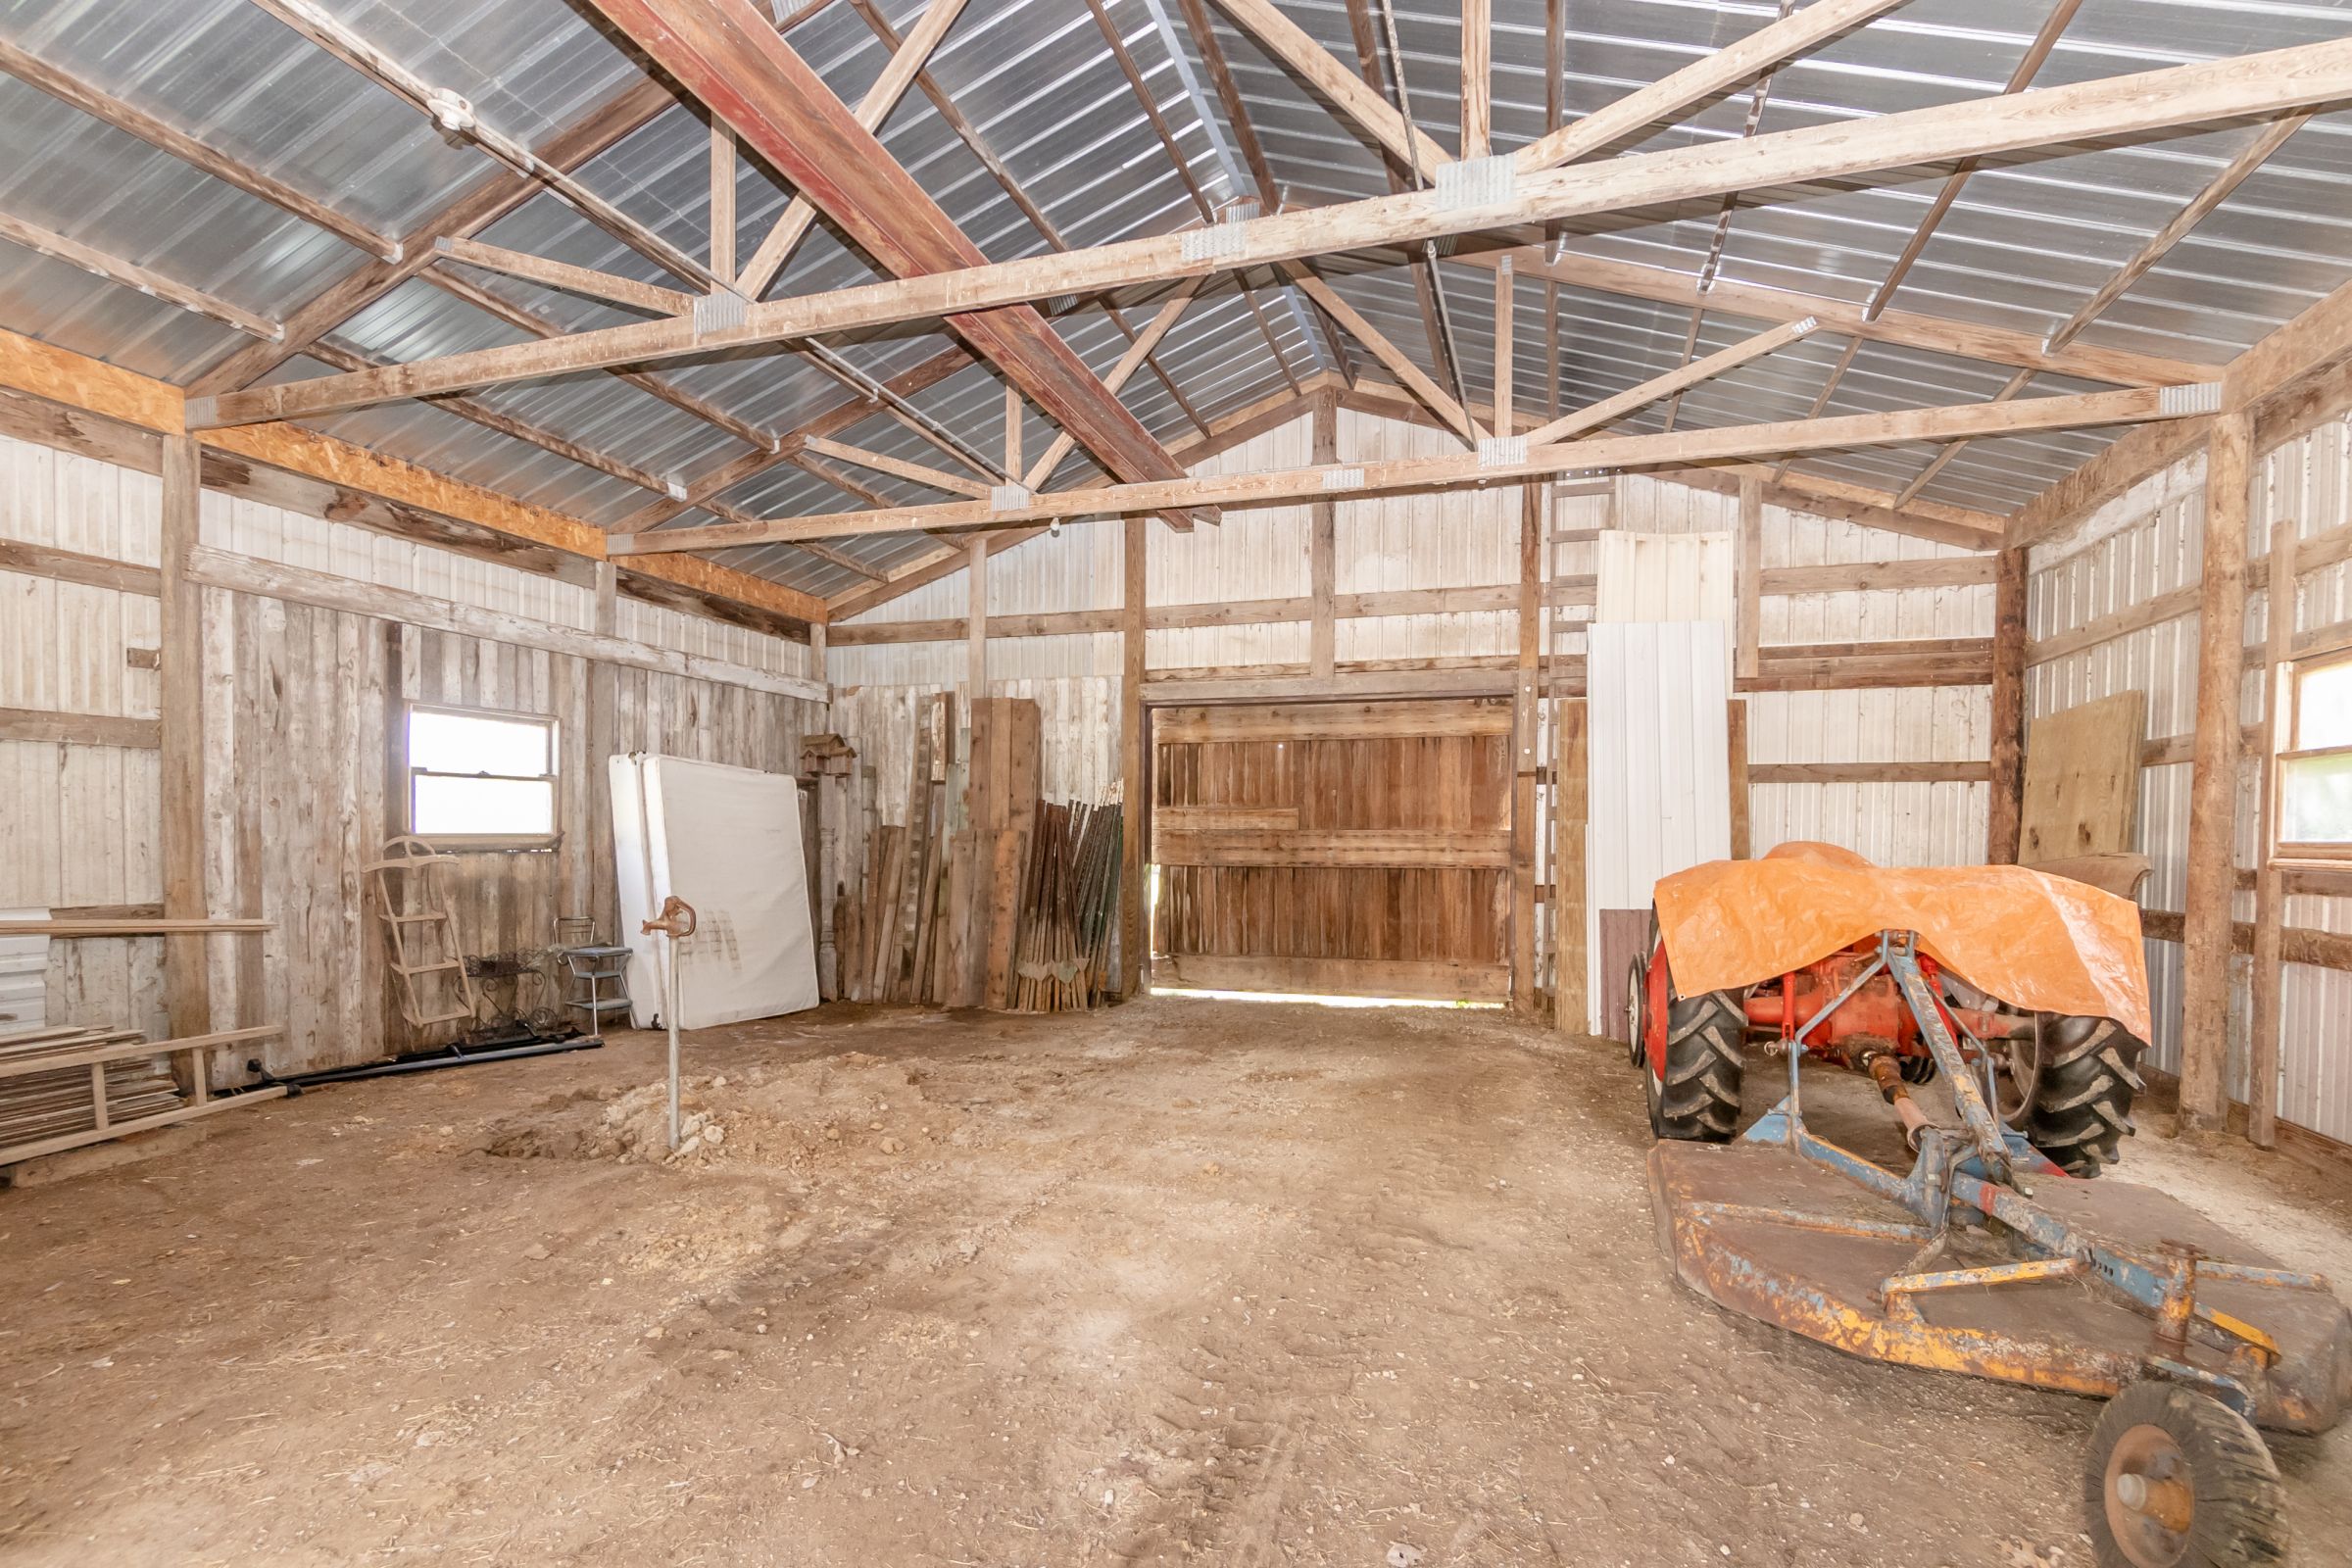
(2066, 1081)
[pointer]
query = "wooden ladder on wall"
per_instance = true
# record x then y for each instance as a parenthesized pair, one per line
(410, 888)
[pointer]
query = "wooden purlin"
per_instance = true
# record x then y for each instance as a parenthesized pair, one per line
(732, 60)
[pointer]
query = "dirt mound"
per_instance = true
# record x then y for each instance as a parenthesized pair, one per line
(853, 1107)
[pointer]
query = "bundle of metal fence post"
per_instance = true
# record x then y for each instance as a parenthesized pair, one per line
(1070, 903)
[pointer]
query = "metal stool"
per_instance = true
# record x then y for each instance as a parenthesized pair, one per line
(596, 981)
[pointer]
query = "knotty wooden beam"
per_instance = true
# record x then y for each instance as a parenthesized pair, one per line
(1608, 452)
(1478, 87)
(2213, 778)
(2113, 108)
(63, 85)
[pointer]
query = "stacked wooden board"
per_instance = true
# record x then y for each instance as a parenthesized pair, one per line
(985, 896)
(39, 1105)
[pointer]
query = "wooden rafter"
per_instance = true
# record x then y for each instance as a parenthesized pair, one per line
(1357, 99)
(2118, 107)
(610, 287)
(1394, 359)
(1936, 333)
(729, 58)
(1478, 86)
(999, 171)
(2132, 406)
(841, 416)
(66, 87)
(457, 117)
(482, 205)
(1798, 33)
(1670, 383)
(1423, 264)
(906, 58)
(653, 385)
(1138, 352)
(131, 275)
(1159, 121)
(2216, 190)
(954, 484)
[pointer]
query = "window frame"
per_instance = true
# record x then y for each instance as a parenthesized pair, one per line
(2327, 851)
(486, 842)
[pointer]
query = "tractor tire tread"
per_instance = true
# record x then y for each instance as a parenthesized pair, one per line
(2081, 1106)
(2240, 1513)
(1699, 1100)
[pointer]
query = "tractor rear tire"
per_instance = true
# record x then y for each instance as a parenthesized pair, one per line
(2177, 1480)
(2082, 1107)
(1697, 1099)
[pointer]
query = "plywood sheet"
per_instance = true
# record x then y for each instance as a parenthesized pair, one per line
(2081, 789)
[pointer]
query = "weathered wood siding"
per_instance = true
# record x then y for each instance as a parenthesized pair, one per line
(300, 708)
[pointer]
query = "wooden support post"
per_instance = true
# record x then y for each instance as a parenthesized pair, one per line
(1012, 432)
(1749, 576)
(975, 633)
(1743, 829)
(1478, 59)
(816, 652)
(1322, 560)
(722, 202)
(1571, 1007)
(2269, 881)
(2205, 935)
(188, 986)
(604, 705)
(1505, 335)
(1529, 755)
(1135, 914)
(2002, 810)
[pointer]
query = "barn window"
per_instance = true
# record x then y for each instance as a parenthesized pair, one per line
(482, 779)
(2315, 765)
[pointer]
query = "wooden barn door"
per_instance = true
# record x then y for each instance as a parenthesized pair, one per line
(1340, 849)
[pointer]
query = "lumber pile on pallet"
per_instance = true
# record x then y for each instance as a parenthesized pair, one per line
(984, 896)
(37, 1107)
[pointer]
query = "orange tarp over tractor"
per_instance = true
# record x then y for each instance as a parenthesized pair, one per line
(2037, 941)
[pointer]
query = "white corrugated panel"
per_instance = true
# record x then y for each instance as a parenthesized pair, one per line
(1659, 759)
(1681, 577)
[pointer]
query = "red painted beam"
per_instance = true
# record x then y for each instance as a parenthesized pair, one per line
(732, 57)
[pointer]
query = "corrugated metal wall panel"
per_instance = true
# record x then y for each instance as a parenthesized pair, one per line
(2145, 543)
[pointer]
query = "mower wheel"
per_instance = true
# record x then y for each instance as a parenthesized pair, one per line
(1697, 1098)
(2177, 1480)
(2082, 1098)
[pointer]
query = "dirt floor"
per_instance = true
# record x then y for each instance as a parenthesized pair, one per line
(1188, 1281)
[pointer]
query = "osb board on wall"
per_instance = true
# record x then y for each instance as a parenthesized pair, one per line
(2081, 789)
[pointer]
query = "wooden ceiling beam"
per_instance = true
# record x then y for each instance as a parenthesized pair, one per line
(1356, 100)
(954, 484)
(970, 294)
(1393, 358)
(588, 281)
(482, 205)
(130, 275)
(1774, 44)
(68, 88)
(731, 59)
(908, 56)
(1608, 411)
(457, 118)
(1340, 482)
